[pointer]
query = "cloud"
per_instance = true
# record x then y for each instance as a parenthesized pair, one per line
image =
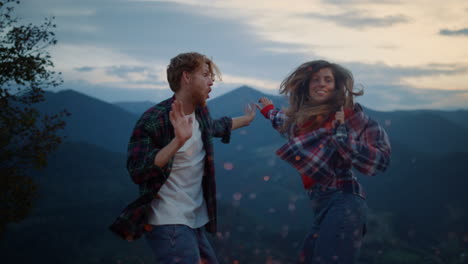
(72, 12)
(128, 43)
(385, 73)
(386, 87)
(444, 77)
(431, 86)
(137, 74)
(354, 2)
(459, 32)
(387, 46)
(358, 19)
(116, 94)
(86, 58)
(253, 82)
(400, 97)
(122, 76)
(84, 69)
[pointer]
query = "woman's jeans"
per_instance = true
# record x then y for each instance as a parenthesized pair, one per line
(337, 230)
(180, 244)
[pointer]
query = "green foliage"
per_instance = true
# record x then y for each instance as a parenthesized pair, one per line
(26, 136)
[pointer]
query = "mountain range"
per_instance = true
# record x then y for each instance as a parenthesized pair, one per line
(417, 205)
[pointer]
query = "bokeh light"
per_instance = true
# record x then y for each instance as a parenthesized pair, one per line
(228, 166)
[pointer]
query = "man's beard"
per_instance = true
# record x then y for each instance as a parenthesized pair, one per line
(200, 100)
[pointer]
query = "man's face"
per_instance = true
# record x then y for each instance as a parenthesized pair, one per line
(201, 81)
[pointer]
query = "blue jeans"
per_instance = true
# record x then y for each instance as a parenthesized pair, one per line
(180, 244)
(337, 230)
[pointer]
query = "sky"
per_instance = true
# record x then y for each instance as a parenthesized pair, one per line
(404, 54)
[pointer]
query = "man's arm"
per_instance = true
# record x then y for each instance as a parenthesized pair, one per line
(244, 120)
(182, 131)
(146, 159)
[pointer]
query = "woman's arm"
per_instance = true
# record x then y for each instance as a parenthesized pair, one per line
(268, 110)
(369, 152)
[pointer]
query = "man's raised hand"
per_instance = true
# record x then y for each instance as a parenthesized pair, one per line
(249, 112)
(182, 125)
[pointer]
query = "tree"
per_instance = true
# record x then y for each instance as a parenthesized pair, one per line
(27, 137)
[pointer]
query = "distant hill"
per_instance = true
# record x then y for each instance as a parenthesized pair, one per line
(426, 131)
(83, 189)
(261, 205)
(458, 117)
(137, 108)
(232, 103)
(417, 205)
(432, 131)
(92, 120)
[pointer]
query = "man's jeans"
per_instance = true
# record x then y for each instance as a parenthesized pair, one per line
(337, 230)
(180, 244)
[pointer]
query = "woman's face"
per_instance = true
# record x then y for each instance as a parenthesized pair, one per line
(322, 85)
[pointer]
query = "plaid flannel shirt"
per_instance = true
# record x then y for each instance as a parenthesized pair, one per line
(152, 132)
(327, 155)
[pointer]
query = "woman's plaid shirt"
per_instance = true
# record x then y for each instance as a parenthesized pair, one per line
(328, 154)
(152, 132)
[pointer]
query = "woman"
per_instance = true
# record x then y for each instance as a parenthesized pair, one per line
(329, 135)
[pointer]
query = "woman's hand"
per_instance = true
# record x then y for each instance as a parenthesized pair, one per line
(339, 117)
(264, 102)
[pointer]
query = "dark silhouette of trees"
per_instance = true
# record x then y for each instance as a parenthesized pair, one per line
(27, 137)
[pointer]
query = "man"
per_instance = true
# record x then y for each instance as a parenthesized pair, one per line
(170, 157)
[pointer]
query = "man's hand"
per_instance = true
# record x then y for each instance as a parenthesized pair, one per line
(249, 112)
(246, 119)
(182, 130)
(182, 126)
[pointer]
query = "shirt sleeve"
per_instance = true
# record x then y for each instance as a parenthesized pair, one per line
(142, 150)
(369, 152)
(275, 115)
(222, 128)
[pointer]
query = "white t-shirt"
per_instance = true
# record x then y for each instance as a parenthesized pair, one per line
(181, 197)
